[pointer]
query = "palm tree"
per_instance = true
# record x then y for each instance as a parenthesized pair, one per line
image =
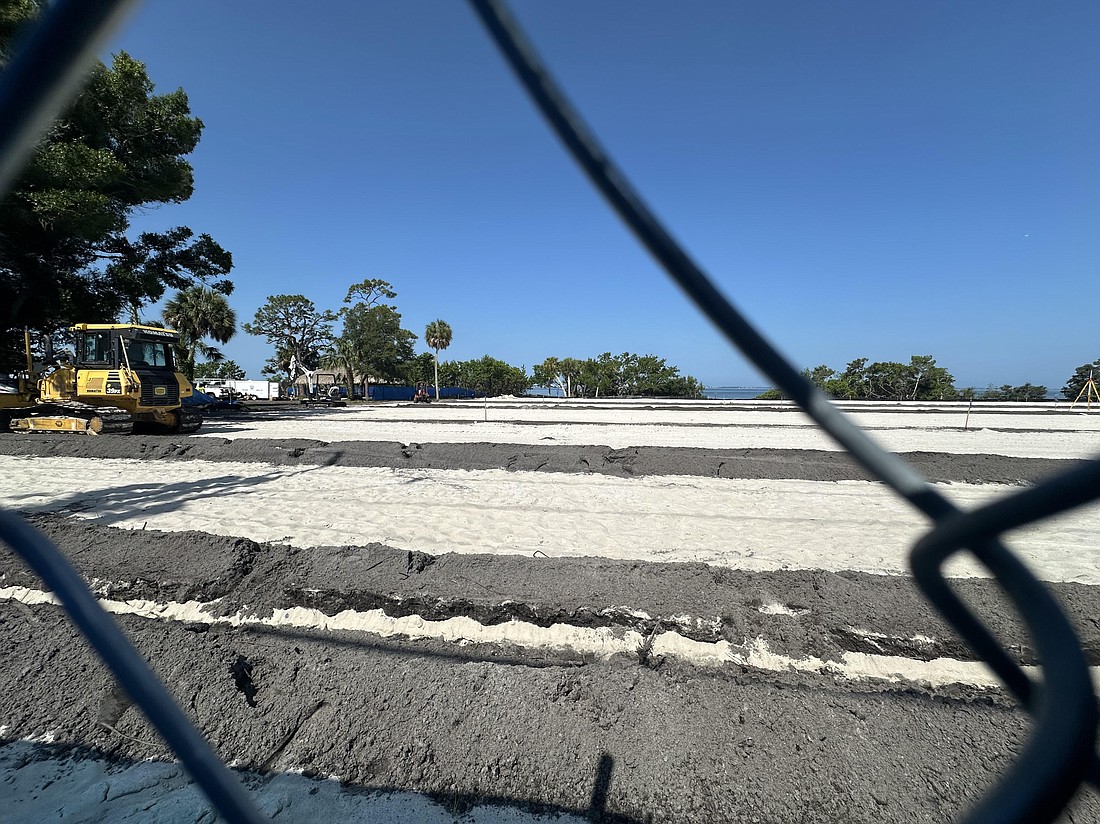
(437, 335)
(341, 357)
(197, 313)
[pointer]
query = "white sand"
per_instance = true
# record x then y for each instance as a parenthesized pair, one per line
(619, 426)
(744, 524)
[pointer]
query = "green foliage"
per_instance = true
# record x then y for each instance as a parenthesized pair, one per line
(615, 376)
(920, 379)
(379, 347)
(820, 376)
(548, 374)
(340, 358)
(771, 395)
(65, 254)
(226, 369)
(1024, 392)
(369, 292)
(437, 335)
(1076, 383)
(14, 14)
(292, 324)
(198, 313)
(373, 345)
(420, 368)
(487, 376)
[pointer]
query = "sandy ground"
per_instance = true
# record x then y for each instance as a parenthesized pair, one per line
(514, 626)
(736, 425)
(744, 524)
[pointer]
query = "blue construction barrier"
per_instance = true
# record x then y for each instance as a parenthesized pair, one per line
(387, 392)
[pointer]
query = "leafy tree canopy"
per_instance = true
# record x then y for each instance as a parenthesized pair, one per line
(1079, 378)
(616, 375)
(381, 347)
(1024, 392)
(292, 324)
(920, 379)
(65, 252)
(198, 313)
(437, 335)
(420, 368)
(225, 369)
(372, 345)
(369, 293)
(486, 376)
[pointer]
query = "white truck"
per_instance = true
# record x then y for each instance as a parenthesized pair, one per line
(245, 390)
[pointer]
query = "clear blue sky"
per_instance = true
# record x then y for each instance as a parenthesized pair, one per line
(872, 178)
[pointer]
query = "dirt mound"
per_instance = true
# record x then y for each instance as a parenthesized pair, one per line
(639, 461)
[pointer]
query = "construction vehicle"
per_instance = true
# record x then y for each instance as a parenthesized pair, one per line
(421, 394)
(121, 379)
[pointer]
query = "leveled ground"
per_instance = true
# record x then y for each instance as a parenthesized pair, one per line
(703, 633)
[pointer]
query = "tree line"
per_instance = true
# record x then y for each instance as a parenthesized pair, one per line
(374, 346)
(922, 379)
(610, 375)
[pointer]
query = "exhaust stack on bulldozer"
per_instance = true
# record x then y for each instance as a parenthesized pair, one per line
(121, 379)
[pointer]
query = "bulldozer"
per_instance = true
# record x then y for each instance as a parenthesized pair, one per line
(121, 378)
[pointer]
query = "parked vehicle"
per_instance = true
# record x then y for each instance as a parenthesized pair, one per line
(246, 390)
(120, 377)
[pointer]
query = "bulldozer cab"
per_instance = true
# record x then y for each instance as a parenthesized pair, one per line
(132, 347)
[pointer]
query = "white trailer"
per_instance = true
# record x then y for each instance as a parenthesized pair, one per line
(260, 390)
(250, 390)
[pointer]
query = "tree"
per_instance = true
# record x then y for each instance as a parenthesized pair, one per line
(437, 335)
(602, 375)
(614, 376)
(373, 344)
(341, 358)
(65, 252)
(487, 376)
(820, 376)
(198, 313)
(225, 369)
(292, 324)
(548, 374)
(420, 368)
(378, 345)
(1082, 375)
(369, 292)
(1007, 392)
(920, 379)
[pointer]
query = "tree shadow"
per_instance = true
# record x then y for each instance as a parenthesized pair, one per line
(165, 782)
(131, 500)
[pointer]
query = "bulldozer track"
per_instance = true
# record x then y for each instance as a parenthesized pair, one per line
(101, 420)
(190, 420)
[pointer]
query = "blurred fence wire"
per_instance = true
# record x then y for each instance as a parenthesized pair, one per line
(1059, 754)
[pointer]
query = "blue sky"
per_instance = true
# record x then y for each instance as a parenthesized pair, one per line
(874, 178)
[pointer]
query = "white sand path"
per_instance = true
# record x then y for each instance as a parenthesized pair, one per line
(745, 524)
(1020, 435)
(601, 642)
(734, 413)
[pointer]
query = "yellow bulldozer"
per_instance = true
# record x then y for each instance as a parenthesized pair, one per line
(120, 379)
